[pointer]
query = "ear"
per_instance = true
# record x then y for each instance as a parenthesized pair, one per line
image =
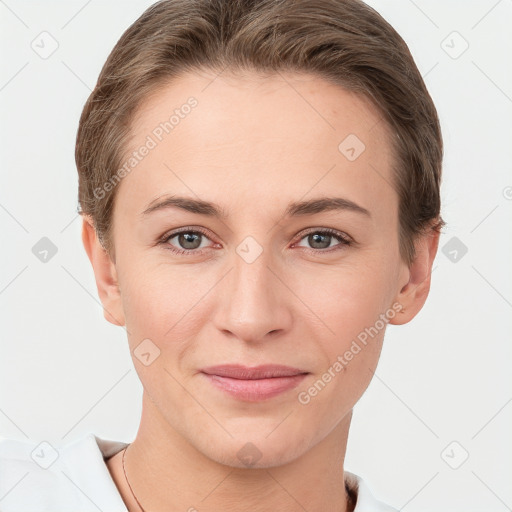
(416, 281)
(104, 272)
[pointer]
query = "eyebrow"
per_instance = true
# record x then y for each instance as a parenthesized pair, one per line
(294, 209)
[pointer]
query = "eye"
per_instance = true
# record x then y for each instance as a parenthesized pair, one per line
(190, 241)
(187, 241)
(321, 239)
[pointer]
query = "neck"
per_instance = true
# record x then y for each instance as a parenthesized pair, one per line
(167, 473)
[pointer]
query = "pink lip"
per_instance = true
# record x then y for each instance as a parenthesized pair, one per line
(237, 371)
(256, 383)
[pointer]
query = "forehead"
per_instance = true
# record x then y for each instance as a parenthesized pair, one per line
(258, 138)
(229, 104)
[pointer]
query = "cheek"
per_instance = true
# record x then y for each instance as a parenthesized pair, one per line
(159, 303)
(345, 299)
(162, 319)
(350, 305)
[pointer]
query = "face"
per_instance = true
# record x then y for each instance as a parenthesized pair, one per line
(255, 277)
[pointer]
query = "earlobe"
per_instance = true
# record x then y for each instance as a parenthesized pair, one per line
(414, 293)
(104, 272)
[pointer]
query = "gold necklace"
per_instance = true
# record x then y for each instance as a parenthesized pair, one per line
(128, 482)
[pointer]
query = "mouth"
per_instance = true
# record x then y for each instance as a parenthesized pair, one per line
(254, 384)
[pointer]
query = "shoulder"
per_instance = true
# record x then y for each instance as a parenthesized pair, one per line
(39, 476)
(365, 499)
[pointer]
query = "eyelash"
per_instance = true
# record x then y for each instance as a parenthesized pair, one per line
(343, 239)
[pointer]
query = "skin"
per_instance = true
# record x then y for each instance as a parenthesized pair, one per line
(252, 145)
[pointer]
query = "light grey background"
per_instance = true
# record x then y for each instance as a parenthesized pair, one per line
(445, 377)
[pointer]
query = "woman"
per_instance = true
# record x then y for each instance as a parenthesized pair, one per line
(259, 185)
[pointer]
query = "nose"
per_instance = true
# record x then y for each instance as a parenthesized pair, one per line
(254, 303)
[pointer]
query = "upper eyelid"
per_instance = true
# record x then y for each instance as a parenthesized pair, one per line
(307, 231)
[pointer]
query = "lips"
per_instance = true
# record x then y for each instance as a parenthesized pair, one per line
(256, 383)
(268, 371)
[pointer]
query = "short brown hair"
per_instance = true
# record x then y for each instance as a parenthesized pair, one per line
(343, 41)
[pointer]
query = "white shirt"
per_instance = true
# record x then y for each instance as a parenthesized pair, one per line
(35, 477)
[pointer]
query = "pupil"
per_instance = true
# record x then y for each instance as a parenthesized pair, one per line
(314, 239)
(188, 238)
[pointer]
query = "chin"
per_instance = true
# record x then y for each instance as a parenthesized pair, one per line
(255, 451)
